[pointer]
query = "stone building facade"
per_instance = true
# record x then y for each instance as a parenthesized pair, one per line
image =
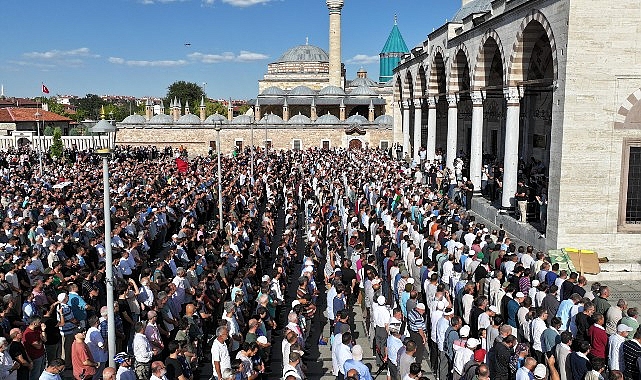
(548, 80)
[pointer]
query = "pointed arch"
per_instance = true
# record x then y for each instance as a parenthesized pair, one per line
(489, 46)
(408, 86)
(459, 68)
(420, 85)
(520, 57)
(437, 76)
(398, 89)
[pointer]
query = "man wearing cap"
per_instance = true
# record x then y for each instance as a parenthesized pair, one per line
(68, 325)
(513, 307)
(417, 329)
(485, 318)
(615, 343)
(356, 363)
(380, 319)
(462, 356)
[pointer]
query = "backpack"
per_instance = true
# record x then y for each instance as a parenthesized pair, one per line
(470, 373)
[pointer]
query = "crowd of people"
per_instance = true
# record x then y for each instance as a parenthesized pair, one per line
(306, 240)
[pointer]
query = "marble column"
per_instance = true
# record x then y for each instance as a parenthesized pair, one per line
(431, 127)
(406, 128)
(452, 130)
(418, 126)
(511, 157)
(476, 148)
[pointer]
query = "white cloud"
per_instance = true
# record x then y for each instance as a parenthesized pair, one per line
(145, 63)
(148, 2)
(363, 59)
(61, 54)
(243, 56)
(238, 3)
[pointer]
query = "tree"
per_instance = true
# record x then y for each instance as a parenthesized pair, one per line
(48, 131)
(215, 107)
(57, 148)
(90, 105)
(185, 92)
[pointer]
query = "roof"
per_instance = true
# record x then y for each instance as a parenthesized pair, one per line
(304, 53)
(362, 82)
(215, 118)
(189, 119)
(331, 91)
(395, 42)
(384, 120)
(299, 119)
(363, 91)
(474, 6)
(134, 119)
(356, 119)
(328, 119)
(161, 119)
(301, 91)
(273, 91)
(17, 114)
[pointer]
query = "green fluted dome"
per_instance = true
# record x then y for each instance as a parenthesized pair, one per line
(391, 54)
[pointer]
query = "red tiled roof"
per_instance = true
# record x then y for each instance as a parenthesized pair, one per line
(15, 114)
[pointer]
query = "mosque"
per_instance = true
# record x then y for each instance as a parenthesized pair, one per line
(553, 82)
(304, 101)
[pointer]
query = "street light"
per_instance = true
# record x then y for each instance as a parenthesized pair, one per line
(251, 167)
(265, 118)
(220, 186)
(37, 115)
(103, 126)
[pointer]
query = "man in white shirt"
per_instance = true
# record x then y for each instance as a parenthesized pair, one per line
(536, 330)
(380, 319)
(524, 372)
(344, 353)
(142, 351)
(219, 353)
(615, 345)
(464, 355)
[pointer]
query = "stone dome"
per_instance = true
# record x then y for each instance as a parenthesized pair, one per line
(384, 120)
(242, 119)
(189, 119)
(271, 119)
(215, 118)
(161, 119)
(328, 119)
(304, 53)
(134, 119)
(331, 91)
(300, 119)
(302, 91)
(356, 119)
(363, 91)
(273, 91)
(362, 82)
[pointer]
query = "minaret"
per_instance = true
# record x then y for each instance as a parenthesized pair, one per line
(342, 110)
(203, 108)
(230, 110)
(285, 111)
(335, 67)
(257, 111)
(370, 117)
(392, 53)
(187, 110)
(313, 110)
(148, 110)
(162, 107)
(2, 91)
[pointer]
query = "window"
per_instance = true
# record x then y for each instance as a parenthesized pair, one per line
(630, 205)
(384, 145)
(267, 144)
(239, 144)
(325, 144)
(296, 144)
(212, 145)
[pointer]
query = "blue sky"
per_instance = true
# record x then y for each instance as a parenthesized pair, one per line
(137, 47)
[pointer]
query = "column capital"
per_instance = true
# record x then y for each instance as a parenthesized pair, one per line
(418, 102)
(477, 97)
(452, 100)
(513, 94)
(431, 101)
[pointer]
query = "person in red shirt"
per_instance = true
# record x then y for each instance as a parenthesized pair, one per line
(83, 363)
(598, 337)
(33, 339)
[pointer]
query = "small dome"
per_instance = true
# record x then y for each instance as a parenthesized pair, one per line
(271, 119)
(300, 119)
(362, 82)
(189, 119)
(331, 91)
(363, 91)
(134, 119)
(242, 119)
(328, 119)
(356, 119)
(161, 119)
(384, 120)
(304, 53)
(302, 91)
(273, 91)
(215, 118)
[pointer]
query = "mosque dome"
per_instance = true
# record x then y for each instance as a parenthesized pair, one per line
(189, 119)
(331, 91)
(384, 120)
(242, 119)
(134, 119)
(273, 91)
(302, 91)
(300, 119)
(357, 82)
(363, 91)
(161, 119)
(215, 118)
(271, 119)
(356, 119)
(304, 53)
(328, 119)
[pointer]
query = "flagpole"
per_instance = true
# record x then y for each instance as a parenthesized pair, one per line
(39, 139)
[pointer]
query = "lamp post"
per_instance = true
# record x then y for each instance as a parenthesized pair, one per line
(105, 152)
(265, 118)
(220, 185)
(251, 167)
(37, 115)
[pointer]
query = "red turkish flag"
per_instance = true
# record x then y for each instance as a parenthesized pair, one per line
(182, 165)
(45, 90)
